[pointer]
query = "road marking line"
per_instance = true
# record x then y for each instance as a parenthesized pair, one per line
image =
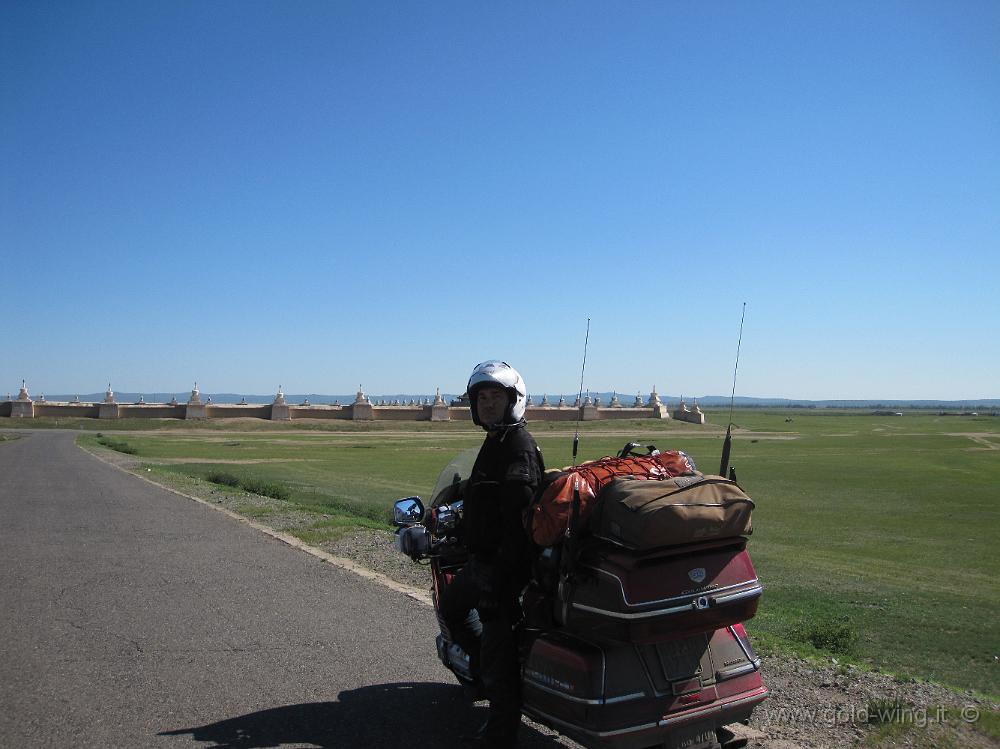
(417, 594)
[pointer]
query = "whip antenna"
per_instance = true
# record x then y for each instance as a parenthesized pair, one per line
(579, 398)
(724, 465)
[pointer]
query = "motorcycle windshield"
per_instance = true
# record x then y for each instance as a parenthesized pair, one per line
(455, 472)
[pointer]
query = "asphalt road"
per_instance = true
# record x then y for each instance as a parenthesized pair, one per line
(133, 617)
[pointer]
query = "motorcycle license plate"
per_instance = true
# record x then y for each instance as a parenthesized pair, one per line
(681, 659)
(692, 736)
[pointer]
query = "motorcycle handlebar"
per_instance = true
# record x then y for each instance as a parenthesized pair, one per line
(419, 541)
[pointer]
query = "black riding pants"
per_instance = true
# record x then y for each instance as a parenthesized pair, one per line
(494, 651)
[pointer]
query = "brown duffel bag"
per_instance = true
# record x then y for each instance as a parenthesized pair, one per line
(650, 513)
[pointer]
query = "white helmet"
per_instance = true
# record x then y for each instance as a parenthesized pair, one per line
(495, 372)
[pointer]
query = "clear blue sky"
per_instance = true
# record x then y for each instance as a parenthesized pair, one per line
(324, 194)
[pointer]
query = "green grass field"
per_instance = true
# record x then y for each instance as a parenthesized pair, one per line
(876, 537)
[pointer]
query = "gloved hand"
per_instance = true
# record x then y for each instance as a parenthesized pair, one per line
(430, 519)
(488, 605)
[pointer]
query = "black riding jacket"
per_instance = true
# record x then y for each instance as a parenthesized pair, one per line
(503, 482)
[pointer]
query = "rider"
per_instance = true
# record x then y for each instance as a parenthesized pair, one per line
(503, 481)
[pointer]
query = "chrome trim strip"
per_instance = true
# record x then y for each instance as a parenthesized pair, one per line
(708, 592)
(691, 606)
(587, 731)
(639, 615)
(624, 698)
(743, 645)
(732, 673)
(622, 731)
(749, 593)
(562, 695)
(582, 700)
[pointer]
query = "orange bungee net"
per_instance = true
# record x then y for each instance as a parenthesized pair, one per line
(548, 518)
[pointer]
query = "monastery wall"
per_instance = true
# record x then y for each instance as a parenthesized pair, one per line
(361, 409)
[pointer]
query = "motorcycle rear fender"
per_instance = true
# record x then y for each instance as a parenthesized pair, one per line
(621, 695)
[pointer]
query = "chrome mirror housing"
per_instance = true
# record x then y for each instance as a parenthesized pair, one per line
(407, 511)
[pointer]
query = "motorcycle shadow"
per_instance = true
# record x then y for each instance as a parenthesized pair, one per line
(419, 715)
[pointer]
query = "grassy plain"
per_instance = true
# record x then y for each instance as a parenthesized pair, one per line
(876, 537)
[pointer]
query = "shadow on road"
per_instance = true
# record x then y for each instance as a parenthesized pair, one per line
(417, 715)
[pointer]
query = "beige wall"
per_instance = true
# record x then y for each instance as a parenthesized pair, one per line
(625, 413)
(255, 411)
(539, 413)
(150, 411)
(66, 410)
(402, 413)
(233, 411)
(319, 412)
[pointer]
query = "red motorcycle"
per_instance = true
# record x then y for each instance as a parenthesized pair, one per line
(618, 648)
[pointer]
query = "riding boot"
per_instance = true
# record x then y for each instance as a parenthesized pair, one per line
(501, 674)
(500, 732)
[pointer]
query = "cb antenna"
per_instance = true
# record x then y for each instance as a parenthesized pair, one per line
(569, 545)
(724, 465)
(579, 398)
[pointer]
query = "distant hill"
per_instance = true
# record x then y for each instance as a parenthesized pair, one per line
(714, 401)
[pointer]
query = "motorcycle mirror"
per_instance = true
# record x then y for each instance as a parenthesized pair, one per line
(407, 511)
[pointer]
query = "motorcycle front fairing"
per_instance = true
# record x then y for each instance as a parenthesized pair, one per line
(426, 532)
(453, 478)
(436, 535)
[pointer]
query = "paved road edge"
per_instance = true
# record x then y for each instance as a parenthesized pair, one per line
(416, 594)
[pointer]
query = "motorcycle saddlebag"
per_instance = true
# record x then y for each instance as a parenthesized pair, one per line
(674, 694)
(650, 513)
(670, 593)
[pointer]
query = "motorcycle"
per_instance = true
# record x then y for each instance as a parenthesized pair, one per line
(617, 649)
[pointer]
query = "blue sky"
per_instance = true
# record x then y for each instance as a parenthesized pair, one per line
(324, 194)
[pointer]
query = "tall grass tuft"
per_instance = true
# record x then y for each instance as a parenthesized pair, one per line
(834, 634)
(252, 485)
(265, 488)
(119, 445)
(225, 479)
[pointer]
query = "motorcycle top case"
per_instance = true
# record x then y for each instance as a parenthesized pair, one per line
(674, 592)
(650, 513)
(626, 696)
